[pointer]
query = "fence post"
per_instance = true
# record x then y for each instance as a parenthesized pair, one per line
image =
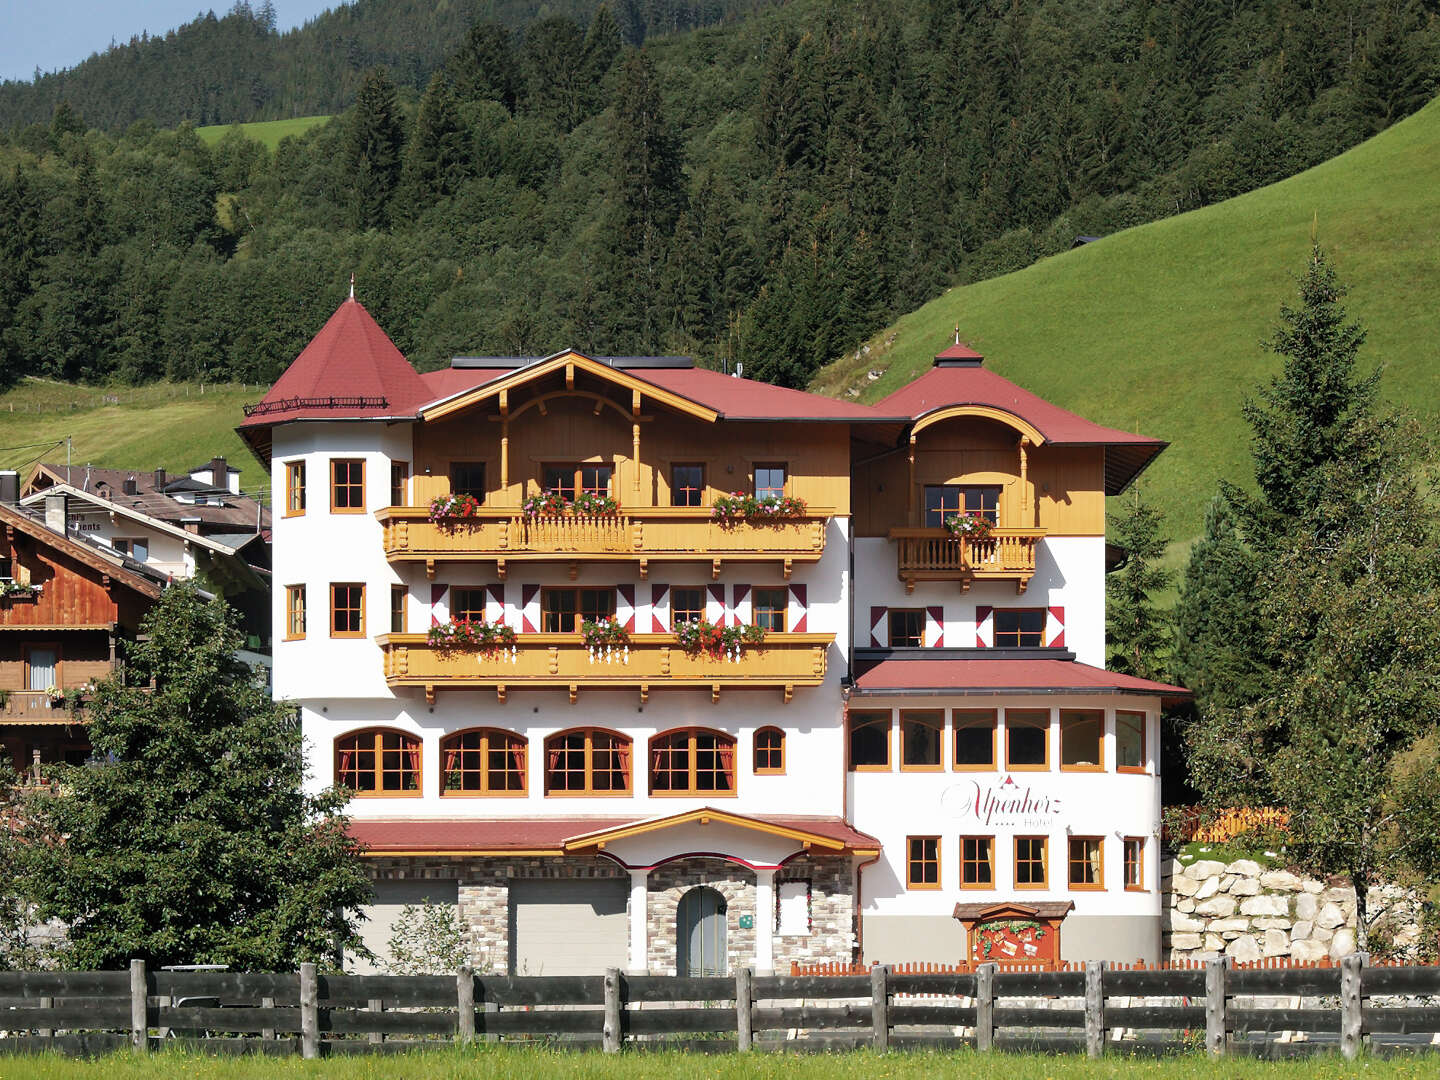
(1215, 1022)
(611, 1035)
(1094, 1008)
(309, 1012)
(985, 1007)
(744, 1002)
(1350, 1013)
(880, 1007)
(267, 1003)
(465, 999)
(376, 1005)
(139, 1007)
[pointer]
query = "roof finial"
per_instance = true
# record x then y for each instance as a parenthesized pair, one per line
(957, 333)
(352, 284)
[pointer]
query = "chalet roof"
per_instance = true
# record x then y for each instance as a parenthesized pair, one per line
(950, 384)
(222, 543)
(555, 836)
(1010, 676)
(104, 562)
(238, 511)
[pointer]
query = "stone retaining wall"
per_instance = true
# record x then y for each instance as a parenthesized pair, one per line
(1242, 910)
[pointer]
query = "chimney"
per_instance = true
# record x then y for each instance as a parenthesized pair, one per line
(159, 479)
(958, 355)
(9, 487)
(130, 487)
(220, 476)
(57, 512)
(190, 524)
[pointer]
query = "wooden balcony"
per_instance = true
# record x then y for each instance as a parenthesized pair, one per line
(935, 555)
(561, 661)
(640, 536)
(36, 707)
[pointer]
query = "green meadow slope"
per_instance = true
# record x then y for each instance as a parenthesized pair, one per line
(1158, 329)
(175, 426)
(267, 132)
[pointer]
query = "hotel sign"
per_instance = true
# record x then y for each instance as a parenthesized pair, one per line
(1006, 804)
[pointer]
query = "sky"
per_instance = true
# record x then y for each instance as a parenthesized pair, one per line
(53, 34)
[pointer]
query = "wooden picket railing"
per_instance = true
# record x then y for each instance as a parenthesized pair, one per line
(1094, 1008)
(1218, 826)
(934, 555)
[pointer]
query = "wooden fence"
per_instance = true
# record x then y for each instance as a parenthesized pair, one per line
(1097, 1009)
(1218, 826)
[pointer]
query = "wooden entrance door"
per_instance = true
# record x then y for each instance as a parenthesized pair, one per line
(700, 933)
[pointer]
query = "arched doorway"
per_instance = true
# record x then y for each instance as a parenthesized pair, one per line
(700, 933)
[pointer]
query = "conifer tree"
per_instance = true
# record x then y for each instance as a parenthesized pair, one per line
(373, 151)
(435, 158)
(1137, 633)
(484, 67)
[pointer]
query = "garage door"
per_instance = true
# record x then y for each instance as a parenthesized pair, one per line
(390, 899)
(568, 927)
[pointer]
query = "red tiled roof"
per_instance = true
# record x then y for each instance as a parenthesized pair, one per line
(447, 381)
(388, 836)
(1037, 676)
(940, 387)
(959, 352)
(350, 358)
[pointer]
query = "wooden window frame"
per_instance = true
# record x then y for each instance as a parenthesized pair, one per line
(589, 790)
(890, 627)
(995, 627)
(292, 593)
(963, 506)
(692, 790)
(967, 718)
(577, 478)
(699, 492)
(335, 486)
(25, 650)
(783, 466)
(1143, 768)
(1138, 862)
(874, 715)
(911, 863)
(1044, 882)
(548, 591)
(485, 791)
(399, 483)
(939, 728)
(294, 488)
(482, 465)
(1087, 716)
(1070, 862)
(783, 609)
(966, 863)
(1010, 765)
(458, 611)
(378, 733)
(674, 620)
(402, 594)
(768, 770)
(347, 585)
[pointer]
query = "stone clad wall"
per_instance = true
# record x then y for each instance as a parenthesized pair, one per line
(1244, 911)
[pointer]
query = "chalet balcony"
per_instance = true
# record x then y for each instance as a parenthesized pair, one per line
(934, 555)
(640, 536)
(562, 661)
(38, 707)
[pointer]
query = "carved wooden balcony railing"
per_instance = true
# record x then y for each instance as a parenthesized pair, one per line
(641, 536)
(561, 661)
(935, 555)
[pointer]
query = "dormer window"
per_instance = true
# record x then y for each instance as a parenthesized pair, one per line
(944, 501)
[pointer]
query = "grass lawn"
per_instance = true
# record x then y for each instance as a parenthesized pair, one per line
(269, 132)
(514, 1063)
(1157, 329)
(171, 425)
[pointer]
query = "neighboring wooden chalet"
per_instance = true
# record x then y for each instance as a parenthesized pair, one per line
(64, 606)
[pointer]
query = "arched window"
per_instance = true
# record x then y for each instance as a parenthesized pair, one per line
(692, 761)
(378, 762)
(587, 761)
(770, 751)
(482, 761)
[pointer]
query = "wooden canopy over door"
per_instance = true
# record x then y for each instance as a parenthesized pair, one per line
(1013, 933)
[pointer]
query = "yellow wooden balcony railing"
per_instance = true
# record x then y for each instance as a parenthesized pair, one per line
(935, 555)
(562, 661)
(642, 536)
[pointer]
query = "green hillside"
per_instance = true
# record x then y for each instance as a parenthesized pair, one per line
(1157, 329)
(267, 132)
(176, 426)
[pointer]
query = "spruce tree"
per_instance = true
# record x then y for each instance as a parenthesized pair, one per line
(1137, 633)
(435, 159)
(484, 68)
(373, 151)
